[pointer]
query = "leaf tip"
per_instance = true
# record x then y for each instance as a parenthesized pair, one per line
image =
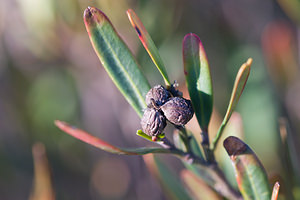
(234, 146)
(135, 21)
(191, 35)
(246, 65)
(93, 16)
(128, 12)
(59, 123)
(249, 61)
(64, 126)
(275, 191)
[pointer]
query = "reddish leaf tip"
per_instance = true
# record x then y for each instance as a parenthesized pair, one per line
(87, 12)
(129, 11)
(234, 146)
(93, 15)
(275, 191)
(60, 124)
(191, 35)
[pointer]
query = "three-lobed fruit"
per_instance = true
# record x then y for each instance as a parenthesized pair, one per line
(153, 122)
(162, 107)
(159, 94)
(178, 110)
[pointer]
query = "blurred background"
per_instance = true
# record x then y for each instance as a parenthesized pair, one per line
(48, 71)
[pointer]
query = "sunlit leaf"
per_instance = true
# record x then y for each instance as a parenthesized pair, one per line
(198, 79)
(250, 175)
(233, 128)
(275, 191)
(149, 138)
(239, 85)
(96, 142)
(197, 187)
(116, 58)
(170, 182)
(148, 44)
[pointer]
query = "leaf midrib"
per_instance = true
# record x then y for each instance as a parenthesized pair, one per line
(122, 66)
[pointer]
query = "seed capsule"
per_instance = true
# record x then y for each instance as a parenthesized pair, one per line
(178, 110)
(153, 122)
(159, 94)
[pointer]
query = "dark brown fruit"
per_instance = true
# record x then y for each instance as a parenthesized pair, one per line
(153, 122)
(178, 110)
(159, 94)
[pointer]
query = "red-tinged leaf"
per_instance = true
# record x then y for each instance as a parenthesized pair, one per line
(148, 44)
(42, 186)
(275, 191)
(198, 79)
(174, 189)
(116, 59)
(250, 175)
(197, 187)
(96, 142)
(238, 88)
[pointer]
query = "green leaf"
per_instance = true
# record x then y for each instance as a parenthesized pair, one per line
(148, 44)
(169, 180)
(192, 143)
(198, 79)
(250, 175)
(195, 146)
(116, 58)
(96, 142)
(238, 88)
(149, 138)
(197, 187)
(233, 128)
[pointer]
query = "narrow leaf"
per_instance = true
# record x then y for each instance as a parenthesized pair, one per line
(239, 85)
(116, 58)
(96, 142)
(198, 79)
(149, 138)
(250, 175)
(169, 181)
(275, 191)
(148, 44)
(42, 188)
(197, 187)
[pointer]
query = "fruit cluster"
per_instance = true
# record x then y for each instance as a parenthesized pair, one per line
(164, 105)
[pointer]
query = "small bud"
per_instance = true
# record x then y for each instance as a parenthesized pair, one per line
(178, 110)
(153, 122)
(159, 94)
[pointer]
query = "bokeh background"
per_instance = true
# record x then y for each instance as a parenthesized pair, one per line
(48, 71)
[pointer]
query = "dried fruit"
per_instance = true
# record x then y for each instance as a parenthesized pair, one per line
(159, 94)
(178, 110)
(153, 122)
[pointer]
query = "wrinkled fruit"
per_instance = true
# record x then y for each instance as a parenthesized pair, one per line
(153, 122)
(159, 94)
(178, 110)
